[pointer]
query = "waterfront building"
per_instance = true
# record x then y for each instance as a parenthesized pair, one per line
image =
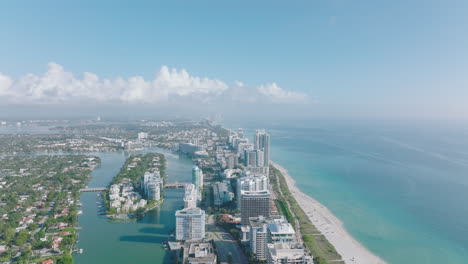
(280, 231)
(190, 197)
(240, 132)
(287, 253)
(254, 204)
(142, 135)
(262, 142)
(197, 180)
(190, 224)
(199, 253)
(153, 191)
(263, 230)
(152, 185)
(189, 148)
(132, 145)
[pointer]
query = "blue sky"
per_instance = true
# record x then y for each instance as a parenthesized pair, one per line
(347, 57)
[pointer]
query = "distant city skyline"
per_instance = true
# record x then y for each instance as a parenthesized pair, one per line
(311, 58)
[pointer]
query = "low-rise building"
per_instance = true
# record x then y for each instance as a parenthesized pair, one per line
(287, 253)
(199, 253)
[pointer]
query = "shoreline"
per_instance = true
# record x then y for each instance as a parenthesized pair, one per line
(330, 226)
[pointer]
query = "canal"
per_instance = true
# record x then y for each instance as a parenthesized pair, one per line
(114, 242)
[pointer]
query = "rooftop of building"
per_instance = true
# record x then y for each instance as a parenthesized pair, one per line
(280, 227)
(200, 252)
(254, 193)
(190, 211)
(288, 250)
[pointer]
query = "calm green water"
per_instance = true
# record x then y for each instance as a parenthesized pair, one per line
(108, 241)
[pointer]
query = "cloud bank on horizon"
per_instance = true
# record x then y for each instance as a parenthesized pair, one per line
(57, 86)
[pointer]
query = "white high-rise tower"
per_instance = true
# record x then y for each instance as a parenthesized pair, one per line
(262, 143)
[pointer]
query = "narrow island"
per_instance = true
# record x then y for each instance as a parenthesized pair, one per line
(137, 188)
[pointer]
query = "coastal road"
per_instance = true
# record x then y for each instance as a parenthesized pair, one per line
(224, 243)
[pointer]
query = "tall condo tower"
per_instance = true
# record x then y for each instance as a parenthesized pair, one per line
(254, 204)
(190, 224)
(197, 180)
(262, 143)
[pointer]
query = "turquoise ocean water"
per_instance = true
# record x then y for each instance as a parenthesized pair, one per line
(401, 189)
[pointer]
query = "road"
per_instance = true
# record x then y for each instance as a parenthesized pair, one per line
(224, 243)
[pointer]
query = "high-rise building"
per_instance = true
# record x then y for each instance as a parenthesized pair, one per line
(197, 180)
(190, 196)
(250, 158)
(262, 142)
(273, 230)
(153, 191)
(260, 157)
(190, 224)
(254, 204)
(152, 185)
(232, 161)
(240, 132)
(252, 184)
(258, 237)
(243, 148)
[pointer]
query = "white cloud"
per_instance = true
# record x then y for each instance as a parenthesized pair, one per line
(5, 84)
(57, 86)
(277, 94)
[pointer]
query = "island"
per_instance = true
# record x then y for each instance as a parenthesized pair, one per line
(137, 188)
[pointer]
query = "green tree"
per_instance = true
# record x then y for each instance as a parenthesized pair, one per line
(32, 227)
(8, 234)
(67, 259)
(22, 238)
(320, 260)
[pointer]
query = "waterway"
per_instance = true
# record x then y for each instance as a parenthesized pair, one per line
(110, 241)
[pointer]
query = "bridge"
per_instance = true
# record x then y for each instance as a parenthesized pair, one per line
(176, 185)
(93, 189)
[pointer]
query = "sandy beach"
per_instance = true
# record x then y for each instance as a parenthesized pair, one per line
(329, 225)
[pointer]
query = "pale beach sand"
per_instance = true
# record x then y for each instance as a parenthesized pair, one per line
(330, 226)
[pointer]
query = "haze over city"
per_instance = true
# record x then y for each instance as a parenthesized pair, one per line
(305, 132)
(332, 58)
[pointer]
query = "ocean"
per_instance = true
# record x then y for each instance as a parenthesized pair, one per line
(400, 188)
